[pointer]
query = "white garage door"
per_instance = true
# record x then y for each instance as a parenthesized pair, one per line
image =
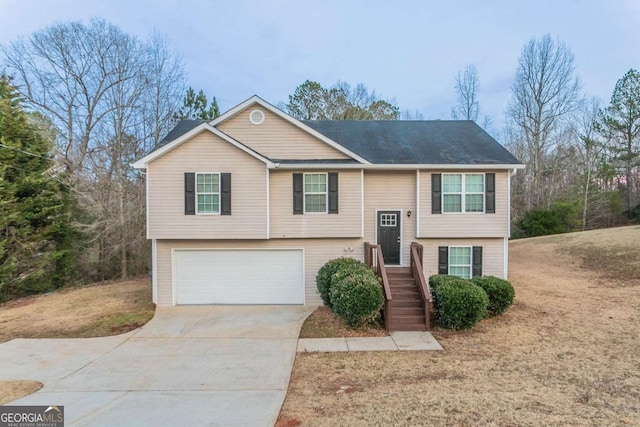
(239, 276)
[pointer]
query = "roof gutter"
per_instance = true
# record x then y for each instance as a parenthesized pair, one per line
(319, 166)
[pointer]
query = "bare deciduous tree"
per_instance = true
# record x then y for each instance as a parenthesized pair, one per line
(589, 146)
(544, 92)
(467, 85)
(111, 98)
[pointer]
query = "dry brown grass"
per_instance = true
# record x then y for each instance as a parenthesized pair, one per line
(566, 353)
(12, 390)
(89, 311)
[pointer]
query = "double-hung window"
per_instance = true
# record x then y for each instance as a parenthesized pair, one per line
(208, 193)
(463, 192)
(460, 261)
(315, 192)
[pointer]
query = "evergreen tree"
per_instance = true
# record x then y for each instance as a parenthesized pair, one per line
(621, 121)
(196, 107)
(311, 101)
(35, 232)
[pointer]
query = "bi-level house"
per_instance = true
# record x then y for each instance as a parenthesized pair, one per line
(246, 208)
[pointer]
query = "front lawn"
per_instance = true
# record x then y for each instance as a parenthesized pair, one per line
(566, 352)
(87, 311)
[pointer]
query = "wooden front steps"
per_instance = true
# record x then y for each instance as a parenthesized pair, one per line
(406, 304)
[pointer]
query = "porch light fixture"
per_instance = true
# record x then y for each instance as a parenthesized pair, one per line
(408, 214)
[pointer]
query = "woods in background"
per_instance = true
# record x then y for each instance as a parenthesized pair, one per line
(80, 102)
(582, 161)
(105, 98)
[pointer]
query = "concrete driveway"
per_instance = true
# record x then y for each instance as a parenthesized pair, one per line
(188, 366)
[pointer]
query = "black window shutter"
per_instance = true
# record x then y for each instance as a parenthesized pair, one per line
(436, 199)
(189, 193)
(225, 194)
(490, 192)
(477, 261)
(333, 192)
(443, 260)
(298, 194)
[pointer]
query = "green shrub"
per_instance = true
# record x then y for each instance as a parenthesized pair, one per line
(460, 304)
(561, 218)
(499, 291)
(439, 279)
(356, 295)
(326, 272)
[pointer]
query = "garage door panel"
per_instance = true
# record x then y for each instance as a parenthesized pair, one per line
(239, 276)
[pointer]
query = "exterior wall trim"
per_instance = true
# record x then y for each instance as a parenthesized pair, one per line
(505, 261)
(142, 163)
(146, 208)
(154, 271)
(396, 166)
(362, 203)
(417, 203)
(268, 204)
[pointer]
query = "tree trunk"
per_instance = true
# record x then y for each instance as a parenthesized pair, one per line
(123, 238)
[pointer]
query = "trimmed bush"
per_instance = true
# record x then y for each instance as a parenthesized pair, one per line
(499, 291)
(326, 272)
(356, 295)
(460, 304)
(439, 279)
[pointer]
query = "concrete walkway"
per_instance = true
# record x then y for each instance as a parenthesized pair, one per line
(398, 341)
(226, 366)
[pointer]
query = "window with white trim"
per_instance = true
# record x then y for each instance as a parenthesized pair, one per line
(388, 220)
(460, 261)
(315, 192)
(463, 192)
(207, 193)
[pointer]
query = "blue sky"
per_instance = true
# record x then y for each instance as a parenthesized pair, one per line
(406, 50)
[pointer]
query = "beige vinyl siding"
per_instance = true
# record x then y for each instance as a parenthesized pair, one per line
(207, 153)
(284, 224)
(464, 224)
(393, 191)
(276, 138)
(492, 254)
(316, 253)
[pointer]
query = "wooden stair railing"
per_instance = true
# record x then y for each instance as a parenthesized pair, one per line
(423, 285)
(377, 264)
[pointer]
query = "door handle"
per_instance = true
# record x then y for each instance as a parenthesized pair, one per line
(398, 239)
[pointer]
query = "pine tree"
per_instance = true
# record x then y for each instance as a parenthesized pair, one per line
(35, 232)
(621, 120)
(196, 107)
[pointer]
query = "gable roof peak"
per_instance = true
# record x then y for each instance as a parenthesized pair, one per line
(255, 99)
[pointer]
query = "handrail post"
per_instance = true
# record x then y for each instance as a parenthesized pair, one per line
(377, 265)
(423, 285)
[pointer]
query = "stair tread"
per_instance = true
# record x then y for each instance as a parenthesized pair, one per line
(397, 315)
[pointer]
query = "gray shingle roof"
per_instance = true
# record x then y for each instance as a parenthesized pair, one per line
(415, 142)
(180, 129)
(457, 142)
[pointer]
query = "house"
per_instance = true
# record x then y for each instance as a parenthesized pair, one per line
(246, 208)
